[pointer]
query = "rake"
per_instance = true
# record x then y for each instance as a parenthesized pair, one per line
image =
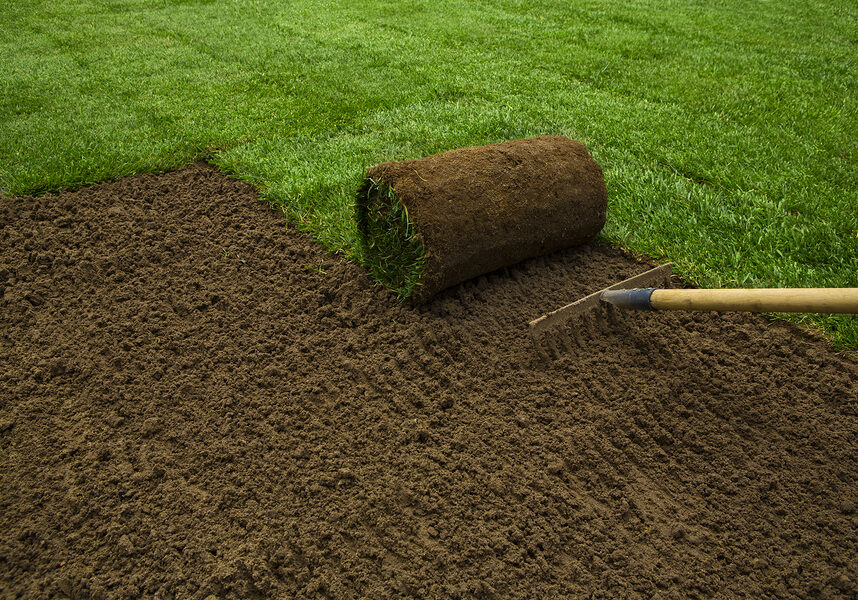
(563, 326)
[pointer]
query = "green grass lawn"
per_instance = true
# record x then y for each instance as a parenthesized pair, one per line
(728, 131)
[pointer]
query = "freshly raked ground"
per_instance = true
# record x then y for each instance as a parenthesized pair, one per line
(728, 131)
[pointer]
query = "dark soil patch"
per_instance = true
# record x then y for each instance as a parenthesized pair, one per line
(479, 209)
(197, 400)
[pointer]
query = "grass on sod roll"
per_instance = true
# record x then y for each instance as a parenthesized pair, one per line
(726, 130)
(392, 251)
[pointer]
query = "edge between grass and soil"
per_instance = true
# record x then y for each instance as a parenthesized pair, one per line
(725, 130)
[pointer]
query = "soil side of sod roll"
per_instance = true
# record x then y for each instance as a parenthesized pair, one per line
(197, 401)
(431, 223)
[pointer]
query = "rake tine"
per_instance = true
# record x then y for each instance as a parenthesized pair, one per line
(565, 340)
(579, 330)
(551, 343)
(611, 314)
(540, 346)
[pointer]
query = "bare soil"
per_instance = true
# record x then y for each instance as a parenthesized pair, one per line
(197, 401)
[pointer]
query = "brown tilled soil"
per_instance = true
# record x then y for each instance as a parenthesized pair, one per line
(198, 402)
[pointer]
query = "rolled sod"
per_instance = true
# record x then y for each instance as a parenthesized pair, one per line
(431, 223)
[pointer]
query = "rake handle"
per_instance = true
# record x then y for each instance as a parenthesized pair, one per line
(805, 300)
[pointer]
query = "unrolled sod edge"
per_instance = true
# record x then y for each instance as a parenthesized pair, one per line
(393, 251)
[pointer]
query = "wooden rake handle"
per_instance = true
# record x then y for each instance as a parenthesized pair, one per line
(805, 300)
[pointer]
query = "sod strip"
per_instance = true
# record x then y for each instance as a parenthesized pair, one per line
(469, 211)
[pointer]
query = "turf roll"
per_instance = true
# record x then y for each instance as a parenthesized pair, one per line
(431, 223)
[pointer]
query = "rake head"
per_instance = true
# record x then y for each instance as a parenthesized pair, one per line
(568, 328)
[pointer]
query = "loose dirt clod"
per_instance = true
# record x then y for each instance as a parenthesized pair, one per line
(446, 218)
(177, 420)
